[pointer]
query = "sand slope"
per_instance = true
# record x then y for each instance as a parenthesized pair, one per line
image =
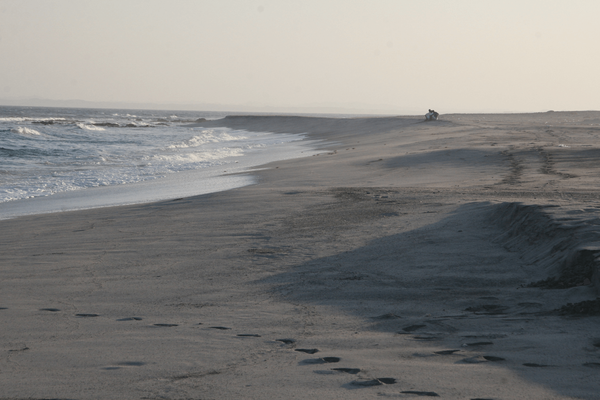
(414, 257)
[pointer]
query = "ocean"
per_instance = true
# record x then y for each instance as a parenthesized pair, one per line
(60, 159)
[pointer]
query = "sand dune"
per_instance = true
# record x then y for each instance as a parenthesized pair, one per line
(454, 258)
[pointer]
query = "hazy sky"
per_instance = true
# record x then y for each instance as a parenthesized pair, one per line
(376, 55)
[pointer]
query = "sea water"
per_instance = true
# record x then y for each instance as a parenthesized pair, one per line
(58, 159)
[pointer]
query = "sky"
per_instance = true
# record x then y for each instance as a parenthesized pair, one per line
(377, 56)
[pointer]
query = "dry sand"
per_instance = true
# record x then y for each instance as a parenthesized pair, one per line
(405, 250)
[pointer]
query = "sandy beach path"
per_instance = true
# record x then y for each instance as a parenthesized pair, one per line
(454, 259)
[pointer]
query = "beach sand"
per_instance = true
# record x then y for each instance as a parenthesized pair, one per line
(405, 260)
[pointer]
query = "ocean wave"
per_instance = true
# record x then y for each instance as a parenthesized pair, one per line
(108, 124)
(59, 150)
(90, 127)
(21, 130)
(24, 119)
(206, 137)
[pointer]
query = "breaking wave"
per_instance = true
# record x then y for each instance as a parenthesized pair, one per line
(90, 127)
(21, 130)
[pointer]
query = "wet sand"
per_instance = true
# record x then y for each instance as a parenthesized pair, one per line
(454, 258)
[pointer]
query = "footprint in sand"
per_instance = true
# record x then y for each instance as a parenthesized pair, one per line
(286, 341)
(592, 365)
(3, 308)
(375, 382)
(324, 372)
(535, 365)
(494, 358)
(331, 359)
(426, 338)
(413, 328)
(17, 350)
(473, 344)
(130, 319)
(485, 336)
(419, 393)
(165, 325)
(125, 364)
(308, 351)
(49, 309)
(446, 352)
(219, 327)
(352, 371)
(473, 360)
(248, 335)
(86, 315)
(323, 360)
(132, 363)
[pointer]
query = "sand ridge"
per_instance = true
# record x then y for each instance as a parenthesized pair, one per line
(406, 260)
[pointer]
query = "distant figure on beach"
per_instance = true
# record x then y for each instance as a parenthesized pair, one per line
(432, 115)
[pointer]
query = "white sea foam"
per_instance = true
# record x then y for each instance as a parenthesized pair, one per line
(208, 136)
(203, 157)
(23, 119)
(88, 149)
(98, 156)
(90, 127)
(21, 130)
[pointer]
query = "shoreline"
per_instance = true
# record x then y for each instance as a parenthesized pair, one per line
(231, 175)
(404, 250)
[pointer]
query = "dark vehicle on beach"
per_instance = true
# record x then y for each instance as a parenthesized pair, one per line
(432, 115)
